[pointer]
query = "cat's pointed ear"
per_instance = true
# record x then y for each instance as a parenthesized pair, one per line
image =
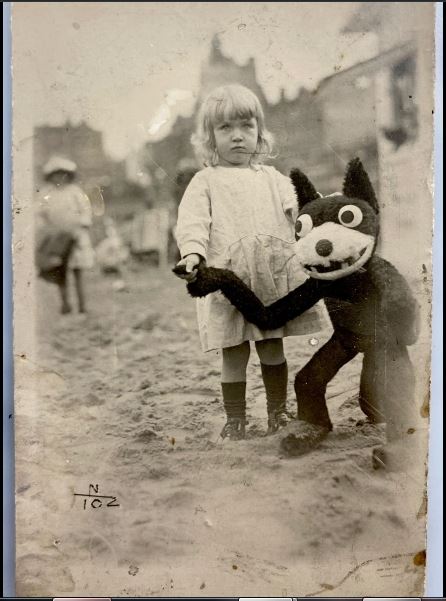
(357, 184)
(305, 190)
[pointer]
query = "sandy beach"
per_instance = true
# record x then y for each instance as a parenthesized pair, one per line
(124, 401)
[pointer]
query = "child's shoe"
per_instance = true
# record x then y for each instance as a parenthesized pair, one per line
(234, 429)
(277, 420)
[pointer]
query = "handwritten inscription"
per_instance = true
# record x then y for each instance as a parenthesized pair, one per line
(94, 500)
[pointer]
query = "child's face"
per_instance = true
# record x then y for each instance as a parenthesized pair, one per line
(236, 141)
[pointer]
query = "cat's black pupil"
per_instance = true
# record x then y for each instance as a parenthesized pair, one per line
(299, 226)
(347, 216)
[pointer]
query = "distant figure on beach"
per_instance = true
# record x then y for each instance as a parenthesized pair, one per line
(64, 218)
(150, 233)
(111, 252)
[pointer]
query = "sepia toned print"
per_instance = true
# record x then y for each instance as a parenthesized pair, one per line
(127, 483)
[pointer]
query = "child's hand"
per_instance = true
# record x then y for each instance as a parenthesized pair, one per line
(186, 269)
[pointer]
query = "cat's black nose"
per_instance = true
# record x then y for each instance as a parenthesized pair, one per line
(324, 248)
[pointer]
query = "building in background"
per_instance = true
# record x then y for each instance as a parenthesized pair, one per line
(318, 131)
(403, 79)
(81, 144)
(379, 109)
(220, 70)
(103, 179)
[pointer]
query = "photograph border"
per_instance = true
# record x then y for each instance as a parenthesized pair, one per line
(8, 359)
(434, 576)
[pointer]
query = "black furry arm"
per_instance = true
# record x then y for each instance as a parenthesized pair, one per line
(398, 306)
(243, 298)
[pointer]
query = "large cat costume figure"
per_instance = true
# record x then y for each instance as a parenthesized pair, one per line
(370, 304)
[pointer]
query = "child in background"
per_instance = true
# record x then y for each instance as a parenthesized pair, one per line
(64, 207)
(239, 214)
(111, 252)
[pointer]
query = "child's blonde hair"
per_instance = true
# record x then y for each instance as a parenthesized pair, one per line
(225, 103)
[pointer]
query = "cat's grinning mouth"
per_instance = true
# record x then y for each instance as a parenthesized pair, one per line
(336, 265)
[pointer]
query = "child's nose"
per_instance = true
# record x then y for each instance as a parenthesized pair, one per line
(237, 134)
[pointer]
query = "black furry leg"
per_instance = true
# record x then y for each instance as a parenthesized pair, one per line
(310, 385)
(311, 381)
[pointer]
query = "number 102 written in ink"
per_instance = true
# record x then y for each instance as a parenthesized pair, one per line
(94, 500)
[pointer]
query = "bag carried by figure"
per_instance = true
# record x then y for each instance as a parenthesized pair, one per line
(52, 254)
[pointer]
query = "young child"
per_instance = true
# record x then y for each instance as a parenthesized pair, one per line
(111, 252)
(239, 214)
(63, 206)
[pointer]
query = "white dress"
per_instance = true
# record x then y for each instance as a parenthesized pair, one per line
(243, 220)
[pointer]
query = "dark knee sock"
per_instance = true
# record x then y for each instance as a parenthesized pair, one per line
(234, 398)
(275, 378)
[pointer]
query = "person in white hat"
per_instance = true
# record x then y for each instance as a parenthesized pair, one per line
(64, 207)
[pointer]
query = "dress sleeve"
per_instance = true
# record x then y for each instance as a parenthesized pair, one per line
(194, 218)
(288, 196)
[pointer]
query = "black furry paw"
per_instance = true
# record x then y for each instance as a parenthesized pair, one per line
(179, 270)
(306, 438)
(207, 281)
